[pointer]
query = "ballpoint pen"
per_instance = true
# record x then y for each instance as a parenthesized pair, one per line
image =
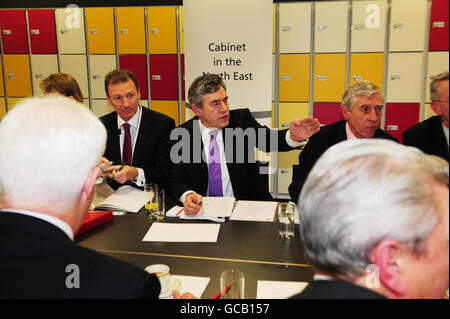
(224, 292)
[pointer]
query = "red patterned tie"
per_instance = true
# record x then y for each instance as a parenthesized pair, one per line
(127, 153)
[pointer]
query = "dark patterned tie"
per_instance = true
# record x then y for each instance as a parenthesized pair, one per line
(127, 153)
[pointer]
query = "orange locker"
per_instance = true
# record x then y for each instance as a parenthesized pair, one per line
(294, 77)
(169, 108)
(367, 66)
(131, 30)
(17, 75)
(162, 30)
(329, 77)
(2, 88)
(100, 30)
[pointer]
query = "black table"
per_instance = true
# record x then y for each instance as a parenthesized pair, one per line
(255, 248)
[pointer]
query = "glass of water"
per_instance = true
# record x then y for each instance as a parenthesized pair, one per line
(286, 219)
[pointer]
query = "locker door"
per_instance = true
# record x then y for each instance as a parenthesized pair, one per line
(328, 113)
(295, 27)
(183, 81)
(17, 75)
(43, 66)
(181, 20)
(101, 107)
(367, 66)
(131, 30)
(404, 82)
(439, 26)
(329, 77)
(290, 111)
(70, 31)
(294, 77)
(330, 32)
(2, 108)
(169, 108)
(2, 88)
(163, 77)
(42, 31)
(76, 66)
(138, 65)
(368, 26)
(408, 25)
(14, 31)
(100, 30)
(401, 116)
(162, 30)
(100, 65)
(437, 63)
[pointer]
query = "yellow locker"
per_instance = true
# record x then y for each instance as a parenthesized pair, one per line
(367, 66)
(170, 108)
(329, 77)
(290, 111)
(162, 30)
(100, 30)
(2, 108)
(131, 30)
(17, 75)
(294, 77)
(2, 89)
(181, 20)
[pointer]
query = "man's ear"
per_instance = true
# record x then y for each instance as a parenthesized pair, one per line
(435, 108)
(196, 109)
(387, 256)
(87, 191)
(345, 112)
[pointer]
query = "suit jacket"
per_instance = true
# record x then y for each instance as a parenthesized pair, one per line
(316, 146)
(247, 183)
(151, 152)
(428, 136)
(336, 289)
(34, 255)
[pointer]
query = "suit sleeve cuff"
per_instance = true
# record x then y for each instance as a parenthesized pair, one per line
(183, 197)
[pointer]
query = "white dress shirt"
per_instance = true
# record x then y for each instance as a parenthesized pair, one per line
(445, 129)
(135, 123)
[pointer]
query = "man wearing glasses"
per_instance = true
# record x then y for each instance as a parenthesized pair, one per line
(431, 135)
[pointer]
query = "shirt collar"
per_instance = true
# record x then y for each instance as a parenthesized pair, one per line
(134, 121)
(350, 135)
(62, 225)
(205, 131)
(445, 129)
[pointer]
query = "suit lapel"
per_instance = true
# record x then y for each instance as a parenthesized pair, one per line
(145, 133)
(195, 156)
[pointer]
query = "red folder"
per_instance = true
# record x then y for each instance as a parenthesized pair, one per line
(94, 219)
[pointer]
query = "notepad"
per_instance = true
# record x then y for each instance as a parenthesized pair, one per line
(213, 208)
(126, 198)
(166, 232)
(254, 211)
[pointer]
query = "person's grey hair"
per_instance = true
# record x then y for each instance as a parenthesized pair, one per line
(204, 84)
(364, 88)
(363, 191)
(434, 85)
(48, 146)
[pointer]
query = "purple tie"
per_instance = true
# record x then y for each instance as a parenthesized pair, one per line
(215, 172)
(127, 153)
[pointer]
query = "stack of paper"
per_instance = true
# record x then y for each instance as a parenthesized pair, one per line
(254, 211)
(125, 198)
(213, 208)
(166, 232)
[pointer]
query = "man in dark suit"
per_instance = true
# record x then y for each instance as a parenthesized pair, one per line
(362, 109)
(374, 222)
(44, 206)
(431, 136)
(213, 153)
(138, 137)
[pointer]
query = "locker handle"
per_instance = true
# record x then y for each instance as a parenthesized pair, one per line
(35, 31)
(64, 31)
(439, 24)
(284, 125)
(322, 28)
(392, 127)
(284, 171)
(397, 25)
(38, 75)
(93, 31)
(358, 27)
(96, 76)
(124, 31)
(11, 75)
(395, 77)
(321, 78)
(286, 28)
(357, 77)
(154, 31)
(286, 78)
(8, 32)
(156, 77)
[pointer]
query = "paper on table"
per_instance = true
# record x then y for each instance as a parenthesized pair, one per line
(193, 284)
(278, 289)
(254, 211)
(164, 232)
(125, 198)
(178, 211)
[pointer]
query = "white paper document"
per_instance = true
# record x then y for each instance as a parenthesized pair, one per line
(126, 198)
(193, 284)
(254, 211)
(213, 208)
(278, 289)
(166, 232)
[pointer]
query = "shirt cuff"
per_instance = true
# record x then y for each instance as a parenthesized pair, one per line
(183, 197)
(140, 180)
(291, 142)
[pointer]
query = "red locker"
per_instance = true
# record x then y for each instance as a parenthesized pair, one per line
(164, 77)
(439, 25)
(400, 117)
(14, 31)
(138, 65)
(328, 113)
(41, 24)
